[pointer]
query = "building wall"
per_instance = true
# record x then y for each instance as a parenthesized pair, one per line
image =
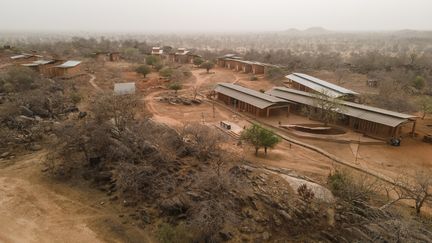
(247, 68)
(241, 106)
(373, 129)
(114, 57)
(257, 69)
(59, 72)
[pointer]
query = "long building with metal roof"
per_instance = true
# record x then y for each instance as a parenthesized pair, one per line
(372, 121)
(304, 82)
(248, 100)
(231, 61)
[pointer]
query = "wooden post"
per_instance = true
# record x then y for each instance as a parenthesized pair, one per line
(413, 128)
(268, 112)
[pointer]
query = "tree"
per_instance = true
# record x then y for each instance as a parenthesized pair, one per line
(417, 189)
(151, 60)
(260, 137)
(198, 61)
(175, 86)
(419, 83)
(329, 108)
(275, 73)
(269, 139)
(340, 74)
(143, 69)
(166, 72)
(207, 65)
(120, 108)
(425, 105)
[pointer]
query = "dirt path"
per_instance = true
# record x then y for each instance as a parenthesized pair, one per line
(150, 100)
(92, 82)
(35, 209)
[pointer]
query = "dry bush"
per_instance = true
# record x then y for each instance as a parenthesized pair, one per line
(353, 187)
(205, 140)
(305, 193)
(121, 109)
(179, 233)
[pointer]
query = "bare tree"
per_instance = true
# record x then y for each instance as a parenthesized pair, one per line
(204, 139)
(417, 189)
(329, 108)
(120, 108)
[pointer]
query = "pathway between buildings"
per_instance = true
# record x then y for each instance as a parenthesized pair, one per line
(92, 82)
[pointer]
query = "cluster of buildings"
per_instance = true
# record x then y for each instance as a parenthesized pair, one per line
(231, 61)
(48, 67)
(181, 55)
(300, 93)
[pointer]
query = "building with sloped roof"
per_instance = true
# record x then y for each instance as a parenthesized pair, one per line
(68, 68)
(307, 83)
(371, 121)
(247, 100)
(231, 61)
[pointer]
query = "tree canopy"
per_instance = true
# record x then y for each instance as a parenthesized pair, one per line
(207, 65)
(143, 69)
(151, 60)
(166, 72)
(260, 137)
(175, 86)
(198, 61)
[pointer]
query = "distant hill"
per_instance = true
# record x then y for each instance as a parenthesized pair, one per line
(317, 30)
(308, 31)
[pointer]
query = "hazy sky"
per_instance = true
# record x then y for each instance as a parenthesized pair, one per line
(213, 15)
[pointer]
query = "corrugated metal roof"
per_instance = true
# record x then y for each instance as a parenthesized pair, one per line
(69, 64)
(43, 62)
(37, 63)
(369, 113)
(250, 62)
(21, 56)
(320, 85)
(249, 96)
(124, 88)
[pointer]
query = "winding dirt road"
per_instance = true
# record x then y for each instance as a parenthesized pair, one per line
(36, 209)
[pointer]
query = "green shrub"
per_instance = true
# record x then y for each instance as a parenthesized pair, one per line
(166, 72)
(350, 187)
(173, 234)
(75, 97)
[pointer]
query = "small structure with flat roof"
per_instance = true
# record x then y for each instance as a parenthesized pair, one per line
(68, 68)
(124, 88)
(157, 51)
(304, 82)
(371, 121)
(248, 100)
